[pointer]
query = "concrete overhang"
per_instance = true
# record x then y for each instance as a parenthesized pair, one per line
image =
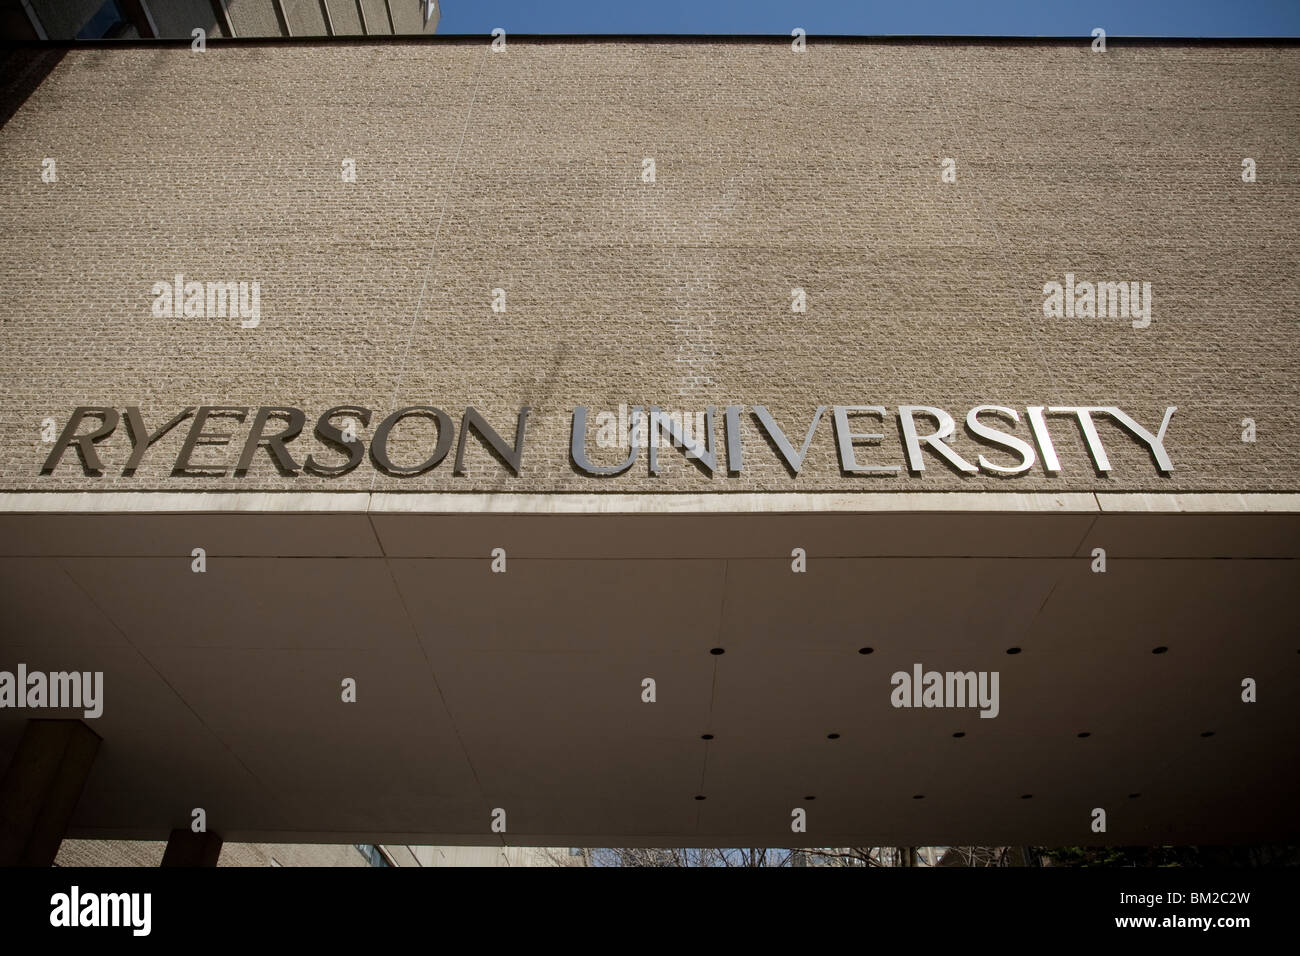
(523, 691)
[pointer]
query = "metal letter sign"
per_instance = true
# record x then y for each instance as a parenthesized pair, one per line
(926, 434)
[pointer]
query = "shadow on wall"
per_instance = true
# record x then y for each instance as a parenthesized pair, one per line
(22, 70)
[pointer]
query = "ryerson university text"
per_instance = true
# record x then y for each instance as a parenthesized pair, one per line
(336, 445)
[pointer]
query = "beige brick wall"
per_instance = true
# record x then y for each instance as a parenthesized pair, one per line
(521, 170)
(150, 853)
(110, 853)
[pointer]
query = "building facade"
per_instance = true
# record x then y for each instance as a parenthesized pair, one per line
(61, 20)
(329, 374)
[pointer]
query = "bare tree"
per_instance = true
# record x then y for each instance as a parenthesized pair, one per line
(886, 856)
(996, 856)
(677, 856)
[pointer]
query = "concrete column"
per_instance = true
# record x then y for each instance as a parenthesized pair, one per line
(40, 790)
(187, 848)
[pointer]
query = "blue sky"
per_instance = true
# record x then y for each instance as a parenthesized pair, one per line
(1182, 18)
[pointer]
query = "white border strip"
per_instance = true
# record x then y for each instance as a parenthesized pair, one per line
(734, 503)
(163, 502)
(1201, 503)
(326, 502)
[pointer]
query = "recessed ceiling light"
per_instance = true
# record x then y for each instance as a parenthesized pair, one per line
(1013, 650)
(865, 650)
(717, 650)
(1085, 734)
(706, 736)
(832, 736)
(699, 796)
(1134, 796)
(918, 796)
(1207, 733)
(1159, 650)
(1026, 796)
(960, 733)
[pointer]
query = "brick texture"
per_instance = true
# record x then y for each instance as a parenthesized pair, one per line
(150, 853)
(522, 170)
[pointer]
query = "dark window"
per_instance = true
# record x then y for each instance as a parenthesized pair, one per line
(107, 22)
(371, 853)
